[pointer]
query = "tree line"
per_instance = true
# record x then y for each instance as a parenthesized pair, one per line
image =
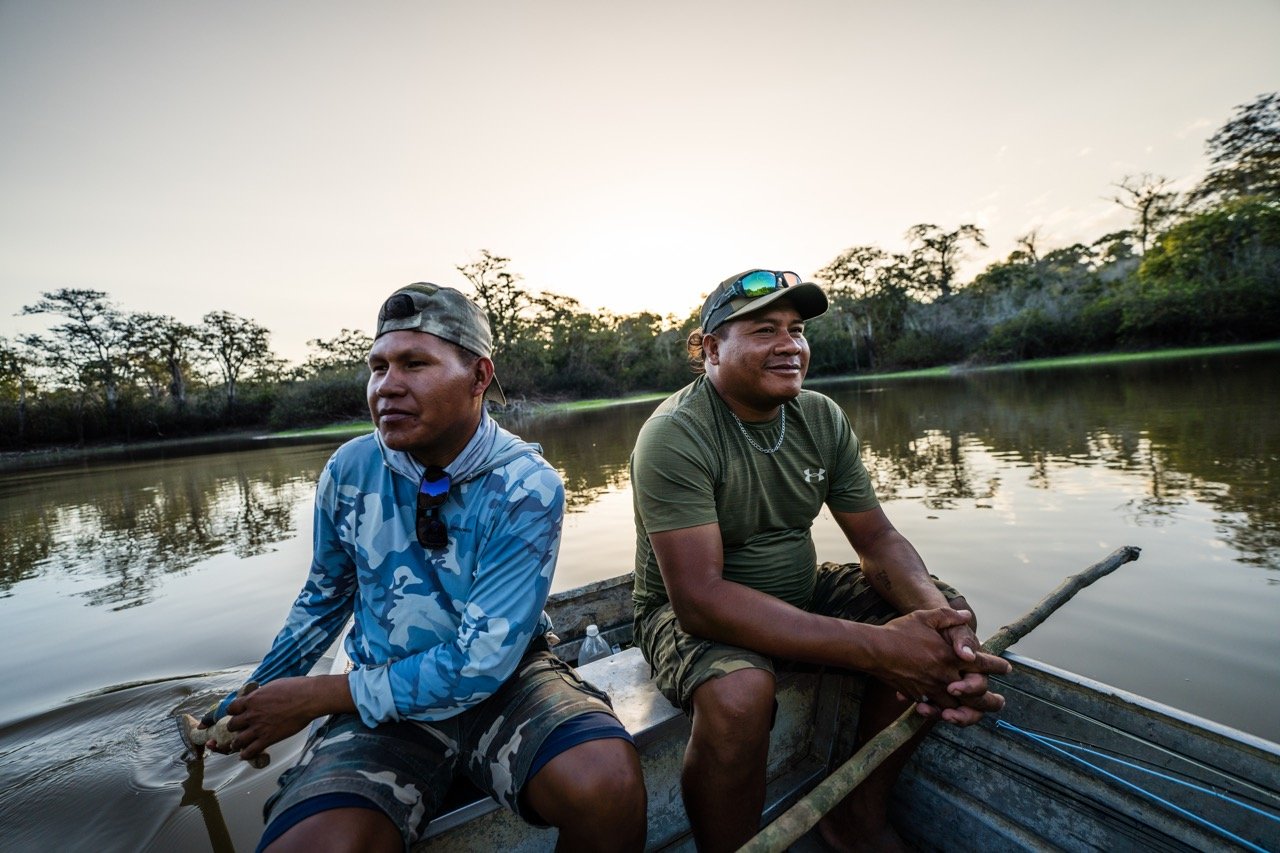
(1195, 268)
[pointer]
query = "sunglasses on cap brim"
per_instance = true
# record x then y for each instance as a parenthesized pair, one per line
(755, 284)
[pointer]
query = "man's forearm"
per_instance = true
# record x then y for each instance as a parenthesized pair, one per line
(895, 569)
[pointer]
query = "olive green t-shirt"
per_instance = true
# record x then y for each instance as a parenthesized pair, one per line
(692, 465)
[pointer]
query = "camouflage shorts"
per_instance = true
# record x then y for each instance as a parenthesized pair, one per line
(683, 662)
(406, 768)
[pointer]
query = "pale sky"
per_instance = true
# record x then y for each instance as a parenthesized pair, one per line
(295, 162)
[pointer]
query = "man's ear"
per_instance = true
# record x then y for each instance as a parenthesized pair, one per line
(482, 375)
(711, 349)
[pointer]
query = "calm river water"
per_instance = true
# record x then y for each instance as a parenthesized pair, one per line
(137, 588)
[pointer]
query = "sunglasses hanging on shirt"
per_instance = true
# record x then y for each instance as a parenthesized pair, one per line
(433, 491)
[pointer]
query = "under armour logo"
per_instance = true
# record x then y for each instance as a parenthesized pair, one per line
(812, 476)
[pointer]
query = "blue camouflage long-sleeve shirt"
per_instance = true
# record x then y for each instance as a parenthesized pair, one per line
(433, 632)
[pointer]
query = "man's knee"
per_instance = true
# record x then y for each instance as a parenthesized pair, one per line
(355, 829)
(733, 713)
(601, 778)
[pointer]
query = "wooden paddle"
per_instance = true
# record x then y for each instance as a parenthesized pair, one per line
(805, 814)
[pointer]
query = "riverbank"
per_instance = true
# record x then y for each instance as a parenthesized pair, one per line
(57, 457)
(1094, 360)
(103, 454)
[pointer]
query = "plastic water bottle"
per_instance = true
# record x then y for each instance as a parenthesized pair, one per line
(594, 646)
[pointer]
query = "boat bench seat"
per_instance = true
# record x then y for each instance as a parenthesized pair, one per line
(800, 745)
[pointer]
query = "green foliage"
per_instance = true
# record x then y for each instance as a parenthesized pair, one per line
(1098, 328)
(497, 293)
(235, 345)
(15, 368)
(869, 294)
(89, 348)
(1033, 333)
(346, 351)
(162, 355)
(1214, 277)
(834, 341)
(326, 397)
(916, 349)
(1152, 202)
(937, 253)
(1245, 154)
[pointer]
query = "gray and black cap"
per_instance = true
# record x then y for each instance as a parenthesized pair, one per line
(445, 313)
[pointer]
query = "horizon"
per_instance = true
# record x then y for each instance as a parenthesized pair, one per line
(296, 164)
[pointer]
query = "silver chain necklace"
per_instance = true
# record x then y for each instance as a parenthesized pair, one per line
(782, 433)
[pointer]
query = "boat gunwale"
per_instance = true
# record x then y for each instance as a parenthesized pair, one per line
(1145, 703)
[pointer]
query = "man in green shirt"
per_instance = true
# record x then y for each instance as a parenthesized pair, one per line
(728, 475)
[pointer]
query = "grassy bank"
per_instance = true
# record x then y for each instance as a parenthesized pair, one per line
(1121, 357)
(339, 430)
(1094, 360)
(597, 403)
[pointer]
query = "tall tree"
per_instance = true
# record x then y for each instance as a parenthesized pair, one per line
(873, 287)
(233, 343)
(940, 251)
(1028, 245)
(164, 344)
(347, 351)
(92, 344)
(16, 361)
(497, 291)
(580, 346)
(636, 359)
(1244, 154)
(1152, 202)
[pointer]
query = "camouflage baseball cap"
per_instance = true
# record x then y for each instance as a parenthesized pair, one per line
(445, 313)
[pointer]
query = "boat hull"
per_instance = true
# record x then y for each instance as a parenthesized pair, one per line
(989, 787)
(1018, 780)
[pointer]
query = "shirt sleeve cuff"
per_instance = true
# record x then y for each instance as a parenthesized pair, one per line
(220, 710)
(371, 691)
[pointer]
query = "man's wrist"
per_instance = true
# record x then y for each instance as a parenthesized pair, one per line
(866, 645)
(328, 694)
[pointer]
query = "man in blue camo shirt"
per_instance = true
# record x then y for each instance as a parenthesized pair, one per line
(437, 534)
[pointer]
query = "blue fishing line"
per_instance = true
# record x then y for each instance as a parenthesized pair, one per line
(1053, 744)
(1176, 780)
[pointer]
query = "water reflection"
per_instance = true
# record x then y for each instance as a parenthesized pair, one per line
(124, 528)
(1188, 430)
(933, 466)
(590, 449)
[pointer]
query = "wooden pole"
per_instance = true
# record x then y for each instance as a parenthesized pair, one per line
(805, 814)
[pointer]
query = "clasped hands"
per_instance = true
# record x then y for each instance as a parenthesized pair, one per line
(939, 664)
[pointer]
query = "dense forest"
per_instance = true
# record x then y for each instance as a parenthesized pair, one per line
(1200, 267)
